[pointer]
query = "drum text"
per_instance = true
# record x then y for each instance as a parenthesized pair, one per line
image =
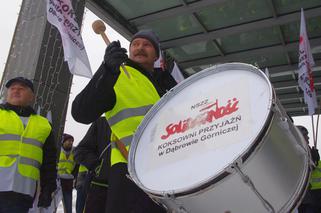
(218, 133)
(178, 147)
(219, 125)
(212, 112)
(177, 140)
(193, 139)
(202, 103)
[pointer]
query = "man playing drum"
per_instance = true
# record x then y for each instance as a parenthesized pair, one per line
(124, 93)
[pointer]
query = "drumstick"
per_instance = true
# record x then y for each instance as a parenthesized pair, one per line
(100, 28)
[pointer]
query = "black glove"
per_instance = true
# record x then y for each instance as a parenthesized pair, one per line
(315, 155)
(44, 199)
(115, 55)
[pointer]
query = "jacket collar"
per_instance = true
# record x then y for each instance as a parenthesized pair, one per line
(138, 67)
(21, 111)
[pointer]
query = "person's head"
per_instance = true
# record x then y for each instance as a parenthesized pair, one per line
(20, 92)
(144, 48)
(67, 141)
(304, 132)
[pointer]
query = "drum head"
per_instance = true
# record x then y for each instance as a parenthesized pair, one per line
(199, 128)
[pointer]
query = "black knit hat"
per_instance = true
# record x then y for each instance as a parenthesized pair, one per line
(66, 136)
(303, 130)
(150, 36)
(22, 80)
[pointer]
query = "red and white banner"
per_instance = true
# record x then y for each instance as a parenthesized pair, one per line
(61, 14)
(305, 72)
(175, 72)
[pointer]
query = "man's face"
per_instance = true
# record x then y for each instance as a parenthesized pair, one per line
(68, 144)
(142, 51)
(19, 94)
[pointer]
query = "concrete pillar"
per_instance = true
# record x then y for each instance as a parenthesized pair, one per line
(36, 53)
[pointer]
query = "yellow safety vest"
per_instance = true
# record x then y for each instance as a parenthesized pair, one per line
(82, 168)
(316, 177)
(135, 96)
(21, 151)
(66, 165)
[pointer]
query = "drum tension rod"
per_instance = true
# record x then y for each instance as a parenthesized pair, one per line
(171, 196)
(248, 181)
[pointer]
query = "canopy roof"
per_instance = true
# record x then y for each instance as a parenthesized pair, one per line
(199, 34)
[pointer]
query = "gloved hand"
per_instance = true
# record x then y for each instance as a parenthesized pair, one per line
(44, 199)
(115, 55)
(315, 155)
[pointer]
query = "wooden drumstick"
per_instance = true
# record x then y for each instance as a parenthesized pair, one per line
(100, 28)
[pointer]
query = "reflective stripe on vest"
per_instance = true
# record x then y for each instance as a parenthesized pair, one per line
(126, 113)
(99, 184)
(21, 150)
(11, 180)
(316, 177)
(66, 165)
(135, 96)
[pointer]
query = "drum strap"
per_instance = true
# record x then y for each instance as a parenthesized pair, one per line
(122, 148)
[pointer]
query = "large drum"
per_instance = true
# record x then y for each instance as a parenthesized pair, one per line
(221, 142)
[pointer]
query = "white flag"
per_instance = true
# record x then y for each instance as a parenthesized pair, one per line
(176, 73)
(160, 63)
(49, 116)
(61, 14)
(305, 72)
(267, 73)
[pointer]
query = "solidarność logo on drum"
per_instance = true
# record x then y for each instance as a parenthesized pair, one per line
(207, 115)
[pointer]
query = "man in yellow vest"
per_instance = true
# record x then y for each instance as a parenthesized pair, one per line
(28, 151)
(312, 200)
(124, 95)
(67, 171)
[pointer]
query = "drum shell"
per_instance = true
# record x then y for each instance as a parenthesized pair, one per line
(278, 168)
(271, 176)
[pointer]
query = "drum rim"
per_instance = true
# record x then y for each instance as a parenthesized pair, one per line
(220, 175)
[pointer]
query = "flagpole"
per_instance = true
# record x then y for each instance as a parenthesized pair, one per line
(317, 127)
(313, 131)
(316, 136)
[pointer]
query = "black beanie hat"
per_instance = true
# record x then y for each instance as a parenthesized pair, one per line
(66, 136)
(303, 130)
(23, 80)
(150, 36)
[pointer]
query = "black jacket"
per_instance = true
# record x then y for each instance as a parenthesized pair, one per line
(92, 151)
(48, 171)
(99, 95)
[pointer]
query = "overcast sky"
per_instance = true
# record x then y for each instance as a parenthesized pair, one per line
(95, 49)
